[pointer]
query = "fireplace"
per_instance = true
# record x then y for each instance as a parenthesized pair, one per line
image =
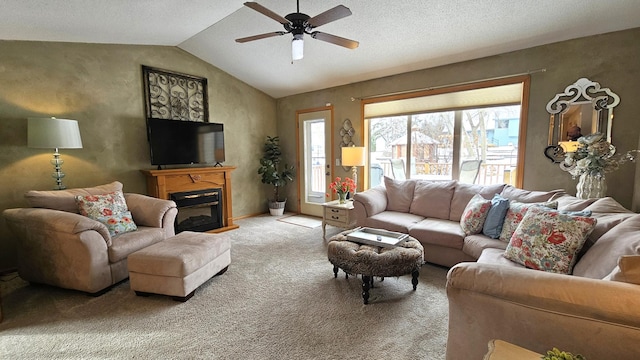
(199, 210)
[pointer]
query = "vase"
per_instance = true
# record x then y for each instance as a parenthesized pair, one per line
(342, 198)
(591, 185)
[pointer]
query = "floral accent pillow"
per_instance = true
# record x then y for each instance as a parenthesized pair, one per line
(474, 214)
(516, 213)
(549, 240)
(109, 209)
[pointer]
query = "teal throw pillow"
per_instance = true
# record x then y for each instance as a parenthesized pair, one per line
(495, 218)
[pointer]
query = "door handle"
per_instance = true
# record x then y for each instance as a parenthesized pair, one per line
(327, 173)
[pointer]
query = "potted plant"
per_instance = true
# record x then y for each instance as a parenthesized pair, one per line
(275, 174)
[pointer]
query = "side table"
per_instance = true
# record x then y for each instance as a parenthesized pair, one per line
(502, 350)
(339, 215)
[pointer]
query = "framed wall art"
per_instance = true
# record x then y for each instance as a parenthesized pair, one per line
(175, 96)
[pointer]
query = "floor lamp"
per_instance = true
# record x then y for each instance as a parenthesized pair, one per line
(52, 133)
(353, 156)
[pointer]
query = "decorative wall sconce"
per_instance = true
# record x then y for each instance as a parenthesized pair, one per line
(52, 133)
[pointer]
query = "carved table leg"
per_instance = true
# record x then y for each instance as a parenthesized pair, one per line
(414, 279)
(366, 284)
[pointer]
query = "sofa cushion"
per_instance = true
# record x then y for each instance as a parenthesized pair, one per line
(602, 258)
(496, 257)
(438, 232)
(464, 192)
(432, 199)
(399, 194)
(572, 203)
(548, 240)
(109, 209)
(607, 205)
(64, 200)
(529, 196)
(475, 214)
(609, 214)
(495, 217)
(474, 245)
(516, 213)
(628, 270)
(128, 243)
(393, 221)
(605, 223)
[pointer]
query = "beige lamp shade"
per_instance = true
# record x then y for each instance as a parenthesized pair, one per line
(353, 156)
(52, 133)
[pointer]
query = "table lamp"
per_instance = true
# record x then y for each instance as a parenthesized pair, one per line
(52, 133)
(353, 156)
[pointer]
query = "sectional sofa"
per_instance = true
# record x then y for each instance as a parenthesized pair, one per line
(592, 309)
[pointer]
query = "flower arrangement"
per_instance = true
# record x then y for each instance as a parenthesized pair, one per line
(595, 156)
(342, 187)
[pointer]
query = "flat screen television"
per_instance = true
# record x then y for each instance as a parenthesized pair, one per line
(176, 142)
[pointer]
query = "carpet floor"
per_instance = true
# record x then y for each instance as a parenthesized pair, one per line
(278, 300)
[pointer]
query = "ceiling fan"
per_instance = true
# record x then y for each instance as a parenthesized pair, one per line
(299, 24)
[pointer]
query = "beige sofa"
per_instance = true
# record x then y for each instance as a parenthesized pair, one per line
(58, 246)
(431, 211)
(594, 312)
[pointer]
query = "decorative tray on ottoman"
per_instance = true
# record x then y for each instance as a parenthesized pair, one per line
(376, 237)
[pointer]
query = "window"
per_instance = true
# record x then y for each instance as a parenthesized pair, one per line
(470, 133)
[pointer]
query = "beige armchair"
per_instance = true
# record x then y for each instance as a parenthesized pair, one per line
(57, 246)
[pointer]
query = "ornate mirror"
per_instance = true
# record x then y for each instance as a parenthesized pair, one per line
(584, 108)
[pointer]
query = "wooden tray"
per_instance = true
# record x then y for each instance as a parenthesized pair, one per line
(376, 237)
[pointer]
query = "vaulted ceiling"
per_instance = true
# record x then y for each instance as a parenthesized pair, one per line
(393, 36)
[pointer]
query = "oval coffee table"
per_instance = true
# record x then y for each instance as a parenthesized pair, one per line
(370, 261)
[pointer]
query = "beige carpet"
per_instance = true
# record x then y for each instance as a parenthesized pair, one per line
(279, 300)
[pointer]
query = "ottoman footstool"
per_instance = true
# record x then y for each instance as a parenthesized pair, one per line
(178, 265)
(369, 261)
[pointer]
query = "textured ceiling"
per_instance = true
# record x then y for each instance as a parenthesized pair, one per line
(394, 36)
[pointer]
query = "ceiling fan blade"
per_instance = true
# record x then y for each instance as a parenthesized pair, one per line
(330, 15)
(337, 40)
(261, 36)
(264, 11)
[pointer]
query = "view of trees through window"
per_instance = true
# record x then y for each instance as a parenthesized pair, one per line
(484, 152)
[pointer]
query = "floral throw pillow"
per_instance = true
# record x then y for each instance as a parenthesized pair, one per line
(549, 240)
(109, 209)
(516, 213)
(474, 214)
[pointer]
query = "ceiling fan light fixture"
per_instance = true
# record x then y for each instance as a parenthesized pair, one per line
(298, 24)
(297, 47)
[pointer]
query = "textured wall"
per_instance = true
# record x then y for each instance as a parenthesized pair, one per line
(610, 59)
(101, 87)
